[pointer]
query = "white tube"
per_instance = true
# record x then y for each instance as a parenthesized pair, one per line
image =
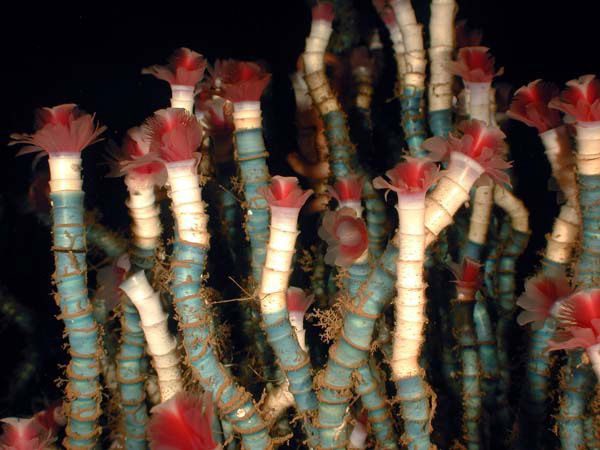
(65, 171)
(588, 148)
(519, 216)
(479, 100)
(182, 97)
(247, 115)
(144, 212)
(162, 346)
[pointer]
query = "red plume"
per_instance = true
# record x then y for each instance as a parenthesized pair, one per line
(581, 99)
(530, 106)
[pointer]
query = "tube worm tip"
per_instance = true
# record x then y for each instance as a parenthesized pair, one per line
(185, 68)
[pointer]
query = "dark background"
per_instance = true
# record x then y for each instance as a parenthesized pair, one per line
(92, 56)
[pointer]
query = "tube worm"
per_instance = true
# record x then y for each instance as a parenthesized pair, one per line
(184, 421)
(514, 247)
(542, 297)
(362, 72)
(63, 132)
(176, 135)
(468, 280)
(410, 180)
(243, 85)
(285, 198)
(530, 106)
(581, 102)
(109, 242)
(216, 116)
(441, 46)
(184, 70)
(162, 347)
(478, 150)
(359, 434)
(347, 244)
(412, 88)
(26, 434)
(389, 19)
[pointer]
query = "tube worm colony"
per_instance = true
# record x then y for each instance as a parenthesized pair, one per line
(308, 365)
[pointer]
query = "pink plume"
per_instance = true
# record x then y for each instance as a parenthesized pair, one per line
(323, 11)
(298, 301)
(541, 293)
(242, 81)
(135, 157)
(467, 275)
(474, 64)
(285, 192)
(347, 189)
(530, 106)
(409, 177)
(24, 434)
(346, 236)
(182, 423)
(61, 129)
(581, 99)
(579, 321)
(174, 134)
(481, 142)
(185, 68)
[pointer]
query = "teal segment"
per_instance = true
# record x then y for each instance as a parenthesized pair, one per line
(486, 341)
(235, 405)
(251, 155)
(374, 400)
(76, 312)
(413, 121)
(376, 219)
(351, 351)
(342, 155)
(414, 405)
(109, 242)
(440, 122)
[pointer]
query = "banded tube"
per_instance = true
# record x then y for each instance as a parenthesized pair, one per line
(63, 132)
(412, 87)
(441, 46)
(176, 135)
(410, 180)
(285, 198)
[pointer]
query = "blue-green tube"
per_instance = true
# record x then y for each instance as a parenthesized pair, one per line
(440, 122)
(251, 155)
(376, 219)
(577, 382)
(234, 403)
(486, 340)
(414, 404)
(413, 122)
(464, 330)
(83, 389)
(342, 155)
(506, 274)
(370, 389)
(109, 242)
(351, 350)
(131, 378)
(576, 385)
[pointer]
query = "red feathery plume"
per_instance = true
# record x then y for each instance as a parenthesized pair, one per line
(136, 158)
(541, 294)
(24, 434)
(467, 37)
(242, 81)
(481, 142)
(467, 276)
(409, 177)
(185, 68)
(474, 65)
(323, 11)
(346, 236)
(218, 114)
(174, 134)
(581, 99)
(530, 106)
(62, 129)
(579, 320)
(347, 189)
(298, 301)
(284, 192)
(182, 423)
(360, 58)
